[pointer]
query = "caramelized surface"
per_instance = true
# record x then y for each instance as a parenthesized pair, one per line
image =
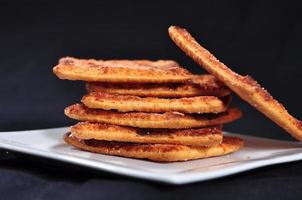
(201, 85)
(156, 152)
(142, 71)
(126, 103)
(197, 137)
(170, 120)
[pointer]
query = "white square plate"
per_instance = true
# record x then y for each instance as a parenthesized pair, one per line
(257, 152)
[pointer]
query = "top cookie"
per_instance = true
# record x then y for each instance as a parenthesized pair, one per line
(138, 71)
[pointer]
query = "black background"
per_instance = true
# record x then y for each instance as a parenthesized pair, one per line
(259, 38)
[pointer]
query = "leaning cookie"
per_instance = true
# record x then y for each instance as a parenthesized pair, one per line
(246, 87)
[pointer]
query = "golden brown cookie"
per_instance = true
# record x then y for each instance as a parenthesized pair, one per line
(169, 120)
(142, 71)
(246, 87)
(201, 85)
(156, 152)
(127, 103)
(196, 137)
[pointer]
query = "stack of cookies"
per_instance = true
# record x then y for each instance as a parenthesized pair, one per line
(153, 110)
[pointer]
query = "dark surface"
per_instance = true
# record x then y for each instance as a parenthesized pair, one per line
(260, 38)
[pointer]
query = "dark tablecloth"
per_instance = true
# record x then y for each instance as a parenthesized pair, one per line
(24, 177)
(260, 38)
